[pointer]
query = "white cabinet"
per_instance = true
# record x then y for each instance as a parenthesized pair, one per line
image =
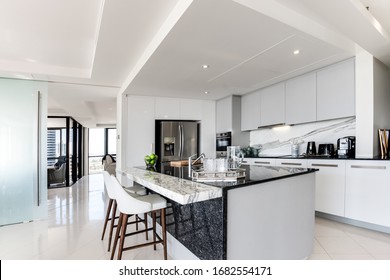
(250, 111)
(207, 128)
(224, 114)
(178, 109)
(191, 109)
(301, 96)
(367, 195)
(142, 111)
(247, 161)
(272, 101)
(264, 161)
(259, 161)
(294, 163)
(229, 119)
(336, 91)
(167, 108)
(330, 186)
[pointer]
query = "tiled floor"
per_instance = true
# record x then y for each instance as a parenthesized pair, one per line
(75, 219)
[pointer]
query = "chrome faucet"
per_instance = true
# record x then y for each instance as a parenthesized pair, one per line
(190, 162)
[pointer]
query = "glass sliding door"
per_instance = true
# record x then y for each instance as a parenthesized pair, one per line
(21, 174)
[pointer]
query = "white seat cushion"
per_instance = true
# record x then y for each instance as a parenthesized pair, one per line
(157, 201)
(136, 190)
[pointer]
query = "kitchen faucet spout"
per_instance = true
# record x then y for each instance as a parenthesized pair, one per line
(190, 162)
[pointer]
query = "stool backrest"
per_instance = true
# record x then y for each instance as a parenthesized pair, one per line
(127, 203)
(108, 184)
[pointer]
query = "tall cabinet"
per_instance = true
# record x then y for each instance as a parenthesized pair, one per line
(228, 118)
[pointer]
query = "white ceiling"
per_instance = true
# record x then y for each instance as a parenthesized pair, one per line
(92, 50)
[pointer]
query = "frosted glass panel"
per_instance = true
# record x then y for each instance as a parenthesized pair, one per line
(18, 165)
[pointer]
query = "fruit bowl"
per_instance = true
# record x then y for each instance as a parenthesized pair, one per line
(150, 160)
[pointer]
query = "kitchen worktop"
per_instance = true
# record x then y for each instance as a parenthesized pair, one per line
(207, 218)
(317, 157)
(175, 184)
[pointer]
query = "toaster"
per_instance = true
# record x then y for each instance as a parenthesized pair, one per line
(326, 150)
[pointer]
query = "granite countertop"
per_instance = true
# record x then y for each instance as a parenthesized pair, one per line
(180, 188)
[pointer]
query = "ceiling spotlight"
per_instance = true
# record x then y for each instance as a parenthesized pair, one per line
(296, 52)
(206, 92)
(205, 66)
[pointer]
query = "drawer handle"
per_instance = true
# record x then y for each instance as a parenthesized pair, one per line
(324, 165)
(244, 161)
(263, 162)
(368, 167)
(291, 163)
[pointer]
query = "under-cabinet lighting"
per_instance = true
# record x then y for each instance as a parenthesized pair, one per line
(281, 127)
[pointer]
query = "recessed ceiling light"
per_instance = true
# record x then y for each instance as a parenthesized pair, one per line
(206, 92)
(296, 52)
(205, 66)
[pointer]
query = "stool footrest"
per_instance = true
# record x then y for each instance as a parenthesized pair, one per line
(142, 245)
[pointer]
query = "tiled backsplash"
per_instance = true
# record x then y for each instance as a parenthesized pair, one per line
(278, 140)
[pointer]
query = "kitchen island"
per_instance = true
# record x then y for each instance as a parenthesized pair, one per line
(269, 214)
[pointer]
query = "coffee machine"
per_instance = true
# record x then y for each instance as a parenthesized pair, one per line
(346, 147)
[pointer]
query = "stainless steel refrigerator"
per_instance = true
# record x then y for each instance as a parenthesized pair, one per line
(176, 140)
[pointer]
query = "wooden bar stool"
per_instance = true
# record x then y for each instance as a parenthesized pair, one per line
(112, 205)
(130, 205)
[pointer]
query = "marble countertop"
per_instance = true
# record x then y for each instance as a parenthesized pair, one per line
(183, 190)
(180, 190)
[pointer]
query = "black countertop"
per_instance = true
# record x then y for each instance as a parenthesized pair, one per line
(317, 157)
(253, 174)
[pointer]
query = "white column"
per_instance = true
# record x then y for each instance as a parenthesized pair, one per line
(364, 87)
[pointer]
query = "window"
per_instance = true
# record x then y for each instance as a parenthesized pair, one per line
(102, 141)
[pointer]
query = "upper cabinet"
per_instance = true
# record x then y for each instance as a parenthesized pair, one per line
(250, 111)
(191, 109)
(167, 108)
(325, 94)
(224, 114)
(272, 110)
(301, 99)
(228, 115)
(178, 109)
(336, 91)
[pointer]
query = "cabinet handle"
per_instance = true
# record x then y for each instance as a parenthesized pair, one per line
(291, 163)
(244, 161)
(324, 165)
(368, 167)
(262, 162)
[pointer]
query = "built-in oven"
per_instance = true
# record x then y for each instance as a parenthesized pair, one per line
(223, 141)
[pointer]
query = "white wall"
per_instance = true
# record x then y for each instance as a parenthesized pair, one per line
(381, 100)
(372, 103)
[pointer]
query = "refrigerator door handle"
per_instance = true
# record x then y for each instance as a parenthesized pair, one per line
(181, 140)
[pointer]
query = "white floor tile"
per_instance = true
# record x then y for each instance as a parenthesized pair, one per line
(340, 245)
(351, 257)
